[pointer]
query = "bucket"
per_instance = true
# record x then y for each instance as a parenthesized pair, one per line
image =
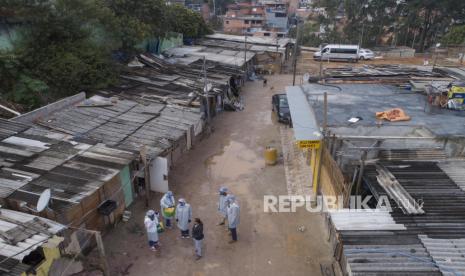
(271, 156)
(168, 212)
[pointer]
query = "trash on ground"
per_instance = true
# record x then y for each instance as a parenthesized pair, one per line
(393, 115)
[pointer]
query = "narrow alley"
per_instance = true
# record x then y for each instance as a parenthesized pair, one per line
(232, 156)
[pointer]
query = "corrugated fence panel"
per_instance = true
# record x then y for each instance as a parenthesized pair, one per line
(125, 178)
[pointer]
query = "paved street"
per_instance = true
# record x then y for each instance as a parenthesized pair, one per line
(269, 244)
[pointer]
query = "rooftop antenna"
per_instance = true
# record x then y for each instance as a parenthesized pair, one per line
(42, 203)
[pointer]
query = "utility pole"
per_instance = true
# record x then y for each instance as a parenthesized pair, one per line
(320, 71)
(278, 55)
(296, 45)
(101, 249)
(361, 36)
(143, 157)
(245, 53)
(206, 91)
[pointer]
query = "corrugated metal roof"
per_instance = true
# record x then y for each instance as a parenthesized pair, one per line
(282, 42)
(9, 128)
(304, 122)
(448, 254)
(412, 154)
(25, 227)
(29, 164)
(404, 259)
(399, 243)
(126, 124)
(230, 57)
(362, 219)
(456, 171)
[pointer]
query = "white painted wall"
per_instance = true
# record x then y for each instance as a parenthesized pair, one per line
(159, 175)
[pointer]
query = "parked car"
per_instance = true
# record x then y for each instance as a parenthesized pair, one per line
(364, 54)
(281, 108)
(338, 52)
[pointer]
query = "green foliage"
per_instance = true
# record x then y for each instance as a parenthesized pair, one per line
(28, 92)
(136, 20)
(185, 21)
(220, 5)
(17, 86)
(66, 46)
(455, 36)
(410, 22)
(392, 22)
(308, 36)
(58, 49)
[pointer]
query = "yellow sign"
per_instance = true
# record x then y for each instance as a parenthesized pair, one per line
(309, 144)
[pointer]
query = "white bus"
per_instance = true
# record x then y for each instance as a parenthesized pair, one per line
(338, 52)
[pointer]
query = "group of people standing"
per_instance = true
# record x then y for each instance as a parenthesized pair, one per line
(229, 210)
(182, 213)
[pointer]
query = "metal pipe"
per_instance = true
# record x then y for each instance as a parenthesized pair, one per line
(10, 110)
(296, 45)
(387, 137)
(360, 173)
(325, 111)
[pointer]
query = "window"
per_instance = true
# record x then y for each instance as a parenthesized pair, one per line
(266, 34)
(280, 14)
(280, 35)
(343, 51)
(247, 22)
(227, 22)
(283, 101)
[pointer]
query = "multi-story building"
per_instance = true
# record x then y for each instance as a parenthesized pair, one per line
(276, 14)
(243, 18)
(201, 8)
(266, 18)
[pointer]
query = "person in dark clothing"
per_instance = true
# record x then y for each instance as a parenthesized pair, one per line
(197, 235)
(264, 82)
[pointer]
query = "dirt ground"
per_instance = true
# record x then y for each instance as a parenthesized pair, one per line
(269, 243)
(306, 64)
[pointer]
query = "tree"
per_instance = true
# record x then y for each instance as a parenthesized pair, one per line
(66, 46)
(455, 36)
(395, 22)
(186, 21)
(137, 20)
(16, 86)
(58, 53)
(308, 36)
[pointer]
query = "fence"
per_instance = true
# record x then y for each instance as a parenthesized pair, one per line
(332, 181)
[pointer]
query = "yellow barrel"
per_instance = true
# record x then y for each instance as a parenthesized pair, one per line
(271, 156)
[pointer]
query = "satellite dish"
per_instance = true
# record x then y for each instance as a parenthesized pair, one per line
(43, 201)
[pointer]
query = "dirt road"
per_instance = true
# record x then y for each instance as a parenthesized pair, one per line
(269, 243)
(306, 64)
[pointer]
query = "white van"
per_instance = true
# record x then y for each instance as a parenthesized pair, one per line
(338, 52)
